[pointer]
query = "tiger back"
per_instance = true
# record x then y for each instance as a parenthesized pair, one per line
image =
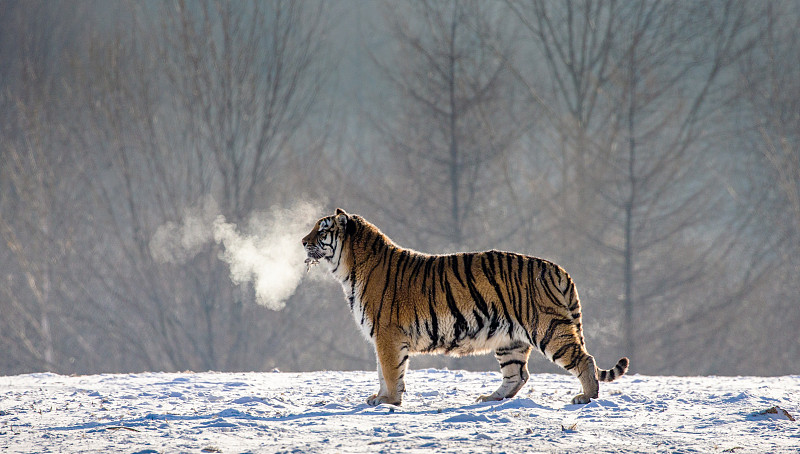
(408, 303)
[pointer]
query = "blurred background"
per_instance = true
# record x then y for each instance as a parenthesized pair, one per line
(652, 149)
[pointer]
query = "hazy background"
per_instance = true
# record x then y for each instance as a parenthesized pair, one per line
(156, 156)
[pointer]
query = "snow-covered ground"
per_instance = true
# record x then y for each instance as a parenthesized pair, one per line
(325, 412)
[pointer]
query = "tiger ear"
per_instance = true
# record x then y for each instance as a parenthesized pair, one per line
(341, 218)
(344, 222)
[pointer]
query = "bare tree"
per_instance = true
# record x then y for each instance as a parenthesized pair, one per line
(40, 191)
(449, 124)
(638, 89)
(192, 102)
(247, 76)
(649, 147)
(769, 112)
(569, 89)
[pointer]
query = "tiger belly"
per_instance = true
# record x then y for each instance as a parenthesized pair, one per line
(441, 337)
(478, 338)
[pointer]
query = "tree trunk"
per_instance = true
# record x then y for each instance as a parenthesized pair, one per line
(630, 343)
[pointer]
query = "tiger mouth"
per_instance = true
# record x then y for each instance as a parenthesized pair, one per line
(314, 256)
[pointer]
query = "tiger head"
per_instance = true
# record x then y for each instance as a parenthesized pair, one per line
(326, 239)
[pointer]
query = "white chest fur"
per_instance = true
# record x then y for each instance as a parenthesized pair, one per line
(352, 295)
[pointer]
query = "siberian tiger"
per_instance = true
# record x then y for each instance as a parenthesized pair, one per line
(407, 302)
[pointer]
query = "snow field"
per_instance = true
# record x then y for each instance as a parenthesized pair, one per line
(326, 412)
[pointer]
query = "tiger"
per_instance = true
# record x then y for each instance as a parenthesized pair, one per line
(407, 303)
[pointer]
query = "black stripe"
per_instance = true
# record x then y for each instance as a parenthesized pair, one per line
(454, 265)
(500, 270)
(402, 261)
(418, 262)
(502, 283)
(533, 317)
(510, 362)
(376, 245)
(403, 361)
(416, 319)
(546, 288)
(555, 276)
(499, 286)
(508, 318)
(478, 322)
(524, 289)
(614, 373)
(607, 375)
(575, 356)
(402, 264)
(374, 267)
(387, 279)
(517, 283)
(426, 274)
(493, 323)
(551, 329)
(434, 331)
(555, 280)
(353, 288)
(507, 279)
(473, 291)
(489, 271)
(574, 363)
(460, 328)
(574, 301)
(579, 329)
(338, 262)
(516, 346)
(440, 269)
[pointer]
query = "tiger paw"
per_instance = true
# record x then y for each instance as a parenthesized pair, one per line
(581, 399)
(488, 398)
(375, 399)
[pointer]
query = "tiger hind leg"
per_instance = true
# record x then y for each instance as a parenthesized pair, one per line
(563, 344)
(586, 371)
(513, 361)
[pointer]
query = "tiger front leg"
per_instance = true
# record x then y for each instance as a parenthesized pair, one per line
(392, 365)
(513, 361)
(382, 390)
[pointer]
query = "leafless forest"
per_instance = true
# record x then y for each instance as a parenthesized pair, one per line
(651, 148)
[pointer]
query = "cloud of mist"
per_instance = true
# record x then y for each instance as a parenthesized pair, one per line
(270, 256)
(265, 252)
(178, 242)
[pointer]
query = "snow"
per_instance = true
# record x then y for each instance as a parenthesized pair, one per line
(326, 412)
